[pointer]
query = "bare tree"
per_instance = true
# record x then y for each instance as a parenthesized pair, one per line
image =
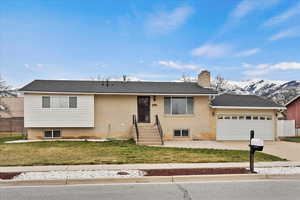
(5, 91)
(98, 78)
(220, 83)
(186, 78)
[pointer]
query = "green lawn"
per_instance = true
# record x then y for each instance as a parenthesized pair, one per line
(292, 139)
(112, 152)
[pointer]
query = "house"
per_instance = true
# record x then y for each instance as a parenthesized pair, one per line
(144, 110)
(11, 116)
(293, 112)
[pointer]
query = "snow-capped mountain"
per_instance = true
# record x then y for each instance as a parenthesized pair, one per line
(279, 91)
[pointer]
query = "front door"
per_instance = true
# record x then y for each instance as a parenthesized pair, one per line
(143, 109)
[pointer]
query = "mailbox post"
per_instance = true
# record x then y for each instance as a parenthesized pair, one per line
(256, 144)
(251, 153)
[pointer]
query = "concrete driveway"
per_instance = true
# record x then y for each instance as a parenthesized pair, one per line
(287, 150)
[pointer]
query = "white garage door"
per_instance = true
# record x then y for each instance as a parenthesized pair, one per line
(238, 127)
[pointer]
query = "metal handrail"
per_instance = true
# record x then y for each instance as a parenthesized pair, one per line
(157, 122)
(134, 121)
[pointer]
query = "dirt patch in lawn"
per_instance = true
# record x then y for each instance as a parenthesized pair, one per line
(202, 171)
(9, 175)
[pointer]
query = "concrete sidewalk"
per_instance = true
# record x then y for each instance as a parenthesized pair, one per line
(143, 166)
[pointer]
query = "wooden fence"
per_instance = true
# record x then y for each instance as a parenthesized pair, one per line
(11, 126)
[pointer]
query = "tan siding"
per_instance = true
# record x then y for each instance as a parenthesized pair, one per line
(199, 123)
(113, 119)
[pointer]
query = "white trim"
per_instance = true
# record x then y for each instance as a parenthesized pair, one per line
(292, 100)
(249, 108)
(137, 94)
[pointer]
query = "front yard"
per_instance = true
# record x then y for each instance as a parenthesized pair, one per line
(292, 139)
(112, 152)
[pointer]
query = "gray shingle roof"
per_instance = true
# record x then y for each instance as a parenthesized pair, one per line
(76, 86)
(230, 100)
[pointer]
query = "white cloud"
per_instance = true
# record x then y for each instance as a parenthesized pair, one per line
(33, 66)
(262, 69)
(287, 66)
(212, 50)
(27, 66)
(245, 7)
(248, 52)
(246, 65)
(178, 65)
(150, 76)
(288, 33)
(291, 12)
(163, 22)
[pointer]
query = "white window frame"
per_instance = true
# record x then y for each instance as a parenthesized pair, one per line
(186, 105)
(53, 97)
(52, 133)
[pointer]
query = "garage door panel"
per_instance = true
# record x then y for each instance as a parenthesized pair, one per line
(240, 129)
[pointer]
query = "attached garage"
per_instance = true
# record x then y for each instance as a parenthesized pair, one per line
(238, 127)
(237, 115)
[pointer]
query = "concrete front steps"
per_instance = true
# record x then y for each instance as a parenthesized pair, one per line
(148, 134)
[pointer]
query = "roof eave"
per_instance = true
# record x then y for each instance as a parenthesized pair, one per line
(291, 101)
(112, 93)
(249, 108)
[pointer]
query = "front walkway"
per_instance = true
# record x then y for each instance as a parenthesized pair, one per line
(287, 150)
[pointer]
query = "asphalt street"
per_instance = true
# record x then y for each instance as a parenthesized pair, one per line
(237, 190)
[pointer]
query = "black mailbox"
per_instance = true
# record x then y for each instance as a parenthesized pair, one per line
(257, 144)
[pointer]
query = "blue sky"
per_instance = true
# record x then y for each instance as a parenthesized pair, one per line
(149, 40)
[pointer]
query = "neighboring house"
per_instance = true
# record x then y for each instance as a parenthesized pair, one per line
(12, 118)
(108, 109)
(293, 111)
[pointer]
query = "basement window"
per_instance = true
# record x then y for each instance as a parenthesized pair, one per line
(52, 133)
(181, 133)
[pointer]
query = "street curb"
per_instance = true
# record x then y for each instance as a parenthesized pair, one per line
(143, 166)
(151, 179)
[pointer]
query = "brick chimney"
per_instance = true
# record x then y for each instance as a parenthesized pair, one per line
(204, 79)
